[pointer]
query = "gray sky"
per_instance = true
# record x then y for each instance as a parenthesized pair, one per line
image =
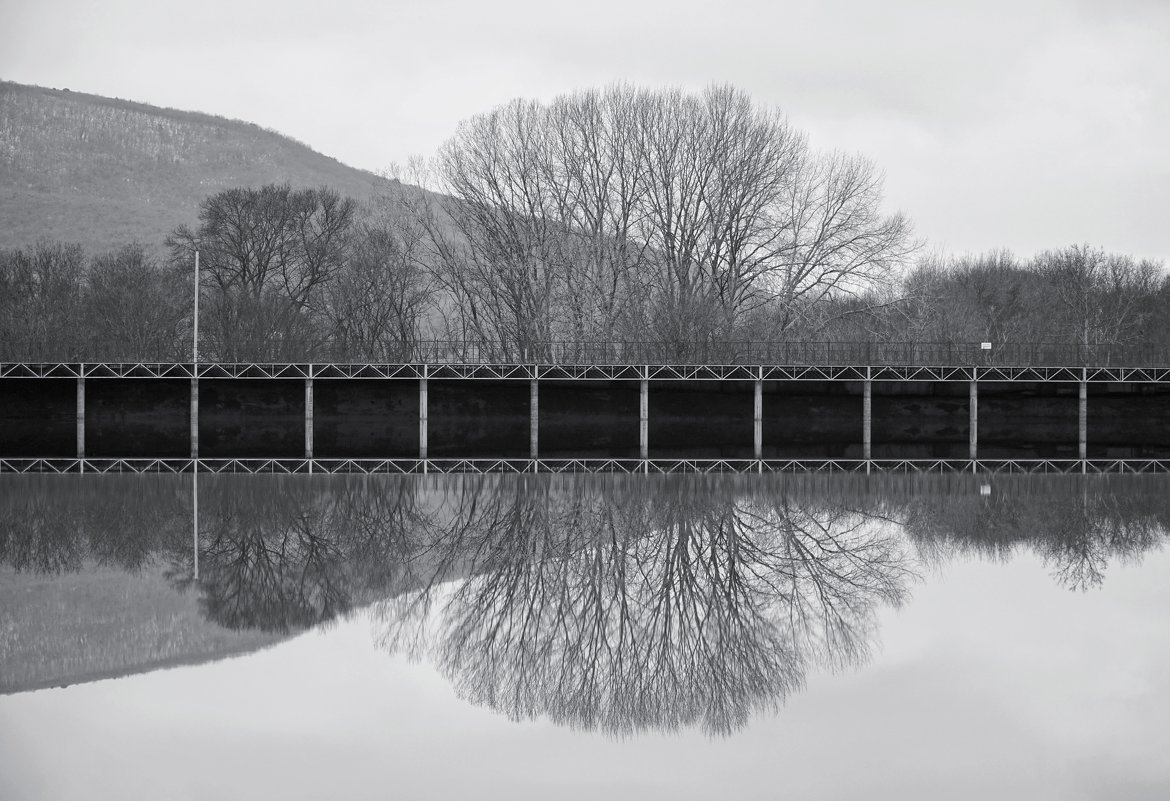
(1020, 123)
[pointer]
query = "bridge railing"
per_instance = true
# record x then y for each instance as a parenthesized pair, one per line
(618, 352)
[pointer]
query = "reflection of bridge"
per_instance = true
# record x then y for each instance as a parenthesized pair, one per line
(547, 416)
(619, 466)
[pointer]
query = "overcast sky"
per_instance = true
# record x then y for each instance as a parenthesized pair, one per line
(999, 123)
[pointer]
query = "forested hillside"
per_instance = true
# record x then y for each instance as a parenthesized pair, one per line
(102, 172)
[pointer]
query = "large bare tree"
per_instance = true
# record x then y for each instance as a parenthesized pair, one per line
(271, 239)
(378, 304)
(653, 214)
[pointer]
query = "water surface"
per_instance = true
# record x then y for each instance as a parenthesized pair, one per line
(531, 636)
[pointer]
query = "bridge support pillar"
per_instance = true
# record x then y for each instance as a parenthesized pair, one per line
(867, 417)
(1083, 417)
(973, 437)
(309, 419)
(422, 415)
(644, 416)
(194, 418)
(758, 416)
(533, 419)
(81, 416)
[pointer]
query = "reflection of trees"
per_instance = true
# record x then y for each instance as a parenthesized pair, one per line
(287, 553)
(1076, 524)
(57, 524)
(603, 606)
(617, 604)
(276, 553)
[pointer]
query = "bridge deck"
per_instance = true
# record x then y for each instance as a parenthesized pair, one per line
(627, 466)
(586, 372)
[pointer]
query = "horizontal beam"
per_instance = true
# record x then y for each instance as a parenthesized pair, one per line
(598, 372)
(420, 466)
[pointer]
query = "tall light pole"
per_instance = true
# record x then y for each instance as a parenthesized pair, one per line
(195, 426)
(195, 338)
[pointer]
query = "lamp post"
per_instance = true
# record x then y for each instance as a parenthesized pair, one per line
(195, 337)
(195, 427)
(195, 373)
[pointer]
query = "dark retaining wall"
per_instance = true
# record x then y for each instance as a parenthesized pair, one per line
(1028, 420)
(137, 417)
(701, 419)
(38, 417)
(812, 420)
(921, 420)
(596, 419)
(257, 418)
(368, 418)
(362, 418)
(1129, 421)
(480, 419)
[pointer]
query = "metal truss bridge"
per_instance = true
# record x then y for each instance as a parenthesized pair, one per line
(585, 372)
(23, 405)
(619, 466)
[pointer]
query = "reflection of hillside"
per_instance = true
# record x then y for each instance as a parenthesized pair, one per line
(102, 623)
(86, 582)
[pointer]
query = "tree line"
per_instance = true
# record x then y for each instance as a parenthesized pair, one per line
(621, 215)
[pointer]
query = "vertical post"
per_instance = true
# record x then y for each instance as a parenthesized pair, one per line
(309, 416)
(422, 415)
(867, 416)
(644, 414)
(194, 417)
(81, 415)
(195, 399)
(973, 440)
(1083, 417)
(758, 416)
(195, 327)
(533, 417)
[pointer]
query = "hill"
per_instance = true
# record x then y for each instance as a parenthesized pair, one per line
(103, 172)
(104, 623)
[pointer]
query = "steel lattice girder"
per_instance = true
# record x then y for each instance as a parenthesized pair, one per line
(597, 372)
(483, 466)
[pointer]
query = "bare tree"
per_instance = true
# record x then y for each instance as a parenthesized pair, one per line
(41, 295)
(594, 160)
(651, 214)
(836, 240)
(1104, 297)
(135, 308)
(273, 238)
(378, 303)
(265, 253)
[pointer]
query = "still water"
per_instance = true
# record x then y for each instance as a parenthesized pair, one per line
(520, 637)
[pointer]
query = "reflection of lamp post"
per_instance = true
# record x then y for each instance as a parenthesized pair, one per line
(195, 517)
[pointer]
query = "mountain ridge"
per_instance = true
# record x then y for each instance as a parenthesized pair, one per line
(102, 172)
